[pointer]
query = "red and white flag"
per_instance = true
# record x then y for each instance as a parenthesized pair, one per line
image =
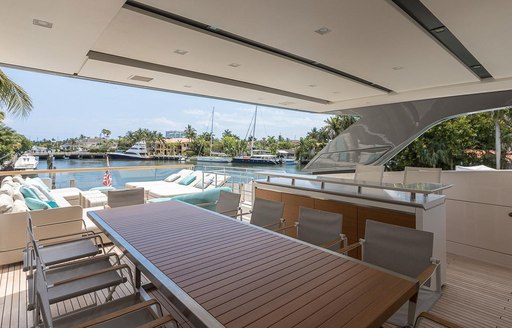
(107, 179)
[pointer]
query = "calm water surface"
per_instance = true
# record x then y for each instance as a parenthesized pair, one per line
(87, 180)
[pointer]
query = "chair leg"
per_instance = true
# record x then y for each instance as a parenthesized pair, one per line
(411, 315)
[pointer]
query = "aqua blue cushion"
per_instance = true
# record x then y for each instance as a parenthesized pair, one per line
(36, 204)
(52, 203)
(27, 193)
(204, 197)
(187, 180)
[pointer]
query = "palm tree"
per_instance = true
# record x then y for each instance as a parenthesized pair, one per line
(190, 132)
(336, 124)
(13, 98)
(499, 116)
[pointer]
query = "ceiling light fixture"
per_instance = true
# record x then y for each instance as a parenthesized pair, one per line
(323, 30)
(397, 68)
(140, 78)
(234, 65)
(439, 29)
(187, 86)
(312, 85)
(180, 52)
(42, 23)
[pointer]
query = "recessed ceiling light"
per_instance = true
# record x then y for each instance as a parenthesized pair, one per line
(42, 23)
(140, 78)
(439, 29)
(397, 68)
(336, 92)
(187, 86)
(323, 30)
(234, 65)
(180, 52)
(312, 85)
(286, 103)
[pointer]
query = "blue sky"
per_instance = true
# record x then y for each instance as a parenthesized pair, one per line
(67, 107)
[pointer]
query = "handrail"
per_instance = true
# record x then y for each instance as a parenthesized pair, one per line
(95, 169)
(412, 188)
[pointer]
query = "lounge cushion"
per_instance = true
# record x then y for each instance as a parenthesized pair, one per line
(172, 177)
(16, 195)
(187, 180)
(27, 192)
(36, 204)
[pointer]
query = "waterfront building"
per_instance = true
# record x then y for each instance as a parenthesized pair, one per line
(175, 134)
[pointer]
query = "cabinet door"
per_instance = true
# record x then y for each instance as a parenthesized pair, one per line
(381, 215)
(268, 195)
(349, 213)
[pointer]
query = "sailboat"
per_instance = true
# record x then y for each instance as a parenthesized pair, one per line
(211, 158)
(257, 156)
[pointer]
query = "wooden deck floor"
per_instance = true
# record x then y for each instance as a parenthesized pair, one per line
(476, 295)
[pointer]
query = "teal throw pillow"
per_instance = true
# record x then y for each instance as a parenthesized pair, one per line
(27, 193)
(187, 180)
(52, 203)
(36, 204)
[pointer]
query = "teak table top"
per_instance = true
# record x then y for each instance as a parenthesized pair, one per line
(231, 274)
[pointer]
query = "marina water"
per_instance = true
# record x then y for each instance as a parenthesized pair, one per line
(87, 180)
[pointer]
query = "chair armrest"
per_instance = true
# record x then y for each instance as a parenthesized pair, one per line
(436, 319)
(285, 228)
(331, 243)
(85, 260)
(91, 274)
(348, 248)
(130, 309)
(427, 273)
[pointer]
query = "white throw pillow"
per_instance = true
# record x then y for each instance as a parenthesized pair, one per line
(38, 193)
(7, 189)
(44, 191)
(16, 195)
(172, 177)
(19, 206)
(18, 179)
(6, 203)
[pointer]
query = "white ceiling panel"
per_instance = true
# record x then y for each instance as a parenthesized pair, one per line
(145, 38)
(367, 39)
(62, 48)
(484, 27)
(121, 74)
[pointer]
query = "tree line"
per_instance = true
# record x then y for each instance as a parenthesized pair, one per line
(483, 138)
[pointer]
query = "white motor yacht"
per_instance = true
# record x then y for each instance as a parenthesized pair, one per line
(137, 152)
(26, 162)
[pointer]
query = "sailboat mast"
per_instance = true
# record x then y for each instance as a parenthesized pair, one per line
(211, 132)
(254, 130)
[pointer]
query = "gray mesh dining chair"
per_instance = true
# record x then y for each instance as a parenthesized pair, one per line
(408, 252)
(267, 213)
(125, 197)
(228, 203)
(79, 277)
(128, 311)
(320, 228)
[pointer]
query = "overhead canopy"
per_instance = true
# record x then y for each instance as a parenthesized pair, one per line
(317, 56)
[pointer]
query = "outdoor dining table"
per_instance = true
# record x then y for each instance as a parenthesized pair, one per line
(228, 273)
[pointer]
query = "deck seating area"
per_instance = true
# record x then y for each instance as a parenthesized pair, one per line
(476, 295)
